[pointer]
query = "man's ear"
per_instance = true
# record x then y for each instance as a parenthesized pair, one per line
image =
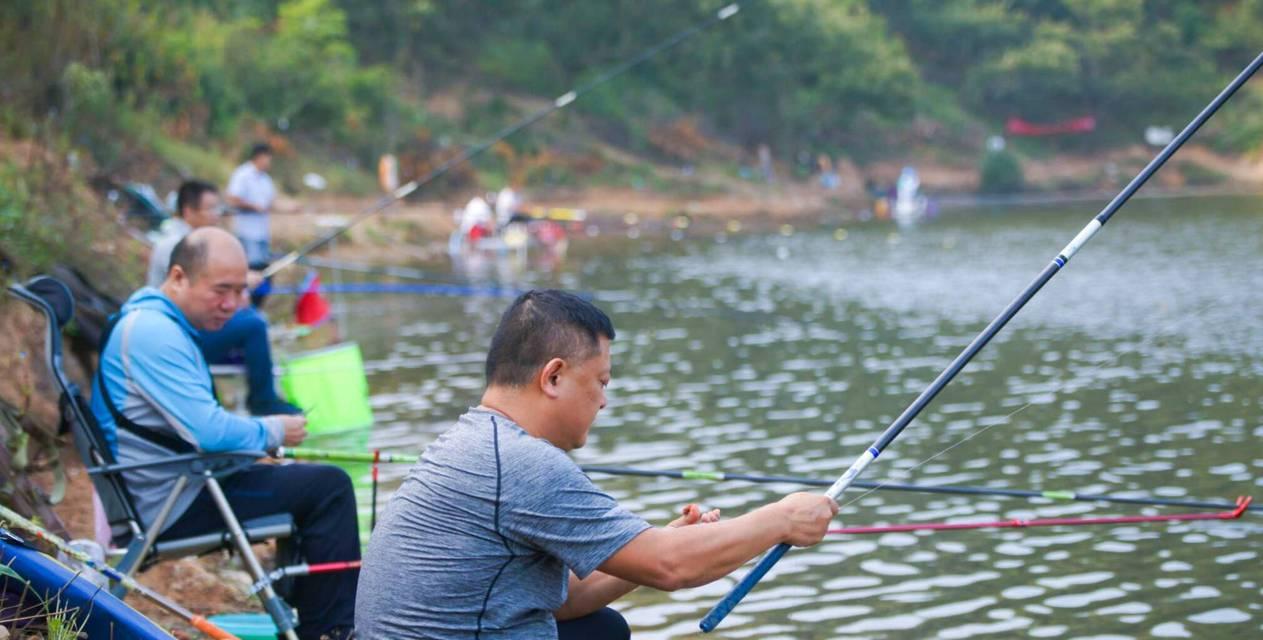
(176, 274)
(549, 377)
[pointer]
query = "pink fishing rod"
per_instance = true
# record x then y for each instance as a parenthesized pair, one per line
(1242, 504)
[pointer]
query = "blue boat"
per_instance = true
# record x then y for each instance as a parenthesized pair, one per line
(34, 584)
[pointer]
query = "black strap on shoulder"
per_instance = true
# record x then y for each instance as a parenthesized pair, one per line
(164, 440)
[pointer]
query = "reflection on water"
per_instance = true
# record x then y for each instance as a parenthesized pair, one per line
(1136, 371)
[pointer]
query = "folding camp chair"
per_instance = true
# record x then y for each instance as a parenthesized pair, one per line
(53, 298)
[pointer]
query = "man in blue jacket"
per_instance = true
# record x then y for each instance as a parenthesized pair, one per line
(244, 338)
(153, 397)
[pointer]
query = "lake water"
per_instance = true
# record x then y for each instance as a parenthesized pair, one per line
(1137, 371)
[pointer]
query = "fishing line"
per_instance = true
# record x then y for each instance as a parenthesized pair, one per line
(1161, 333)
(1059, 261)
(560, 102)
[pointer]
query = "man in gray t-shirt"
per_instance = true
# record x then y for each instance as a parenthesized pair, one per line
(496, 533)
(487, 499)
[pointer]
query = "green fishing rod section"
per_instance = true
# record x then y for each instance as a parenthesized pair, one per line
(302, 453)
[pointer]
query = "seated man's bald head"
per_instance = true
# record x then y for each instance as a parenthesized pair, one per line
(207, 277)
(201, 247)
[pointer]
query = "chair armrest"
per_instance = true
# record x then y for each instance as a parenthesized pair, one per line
(194, 463)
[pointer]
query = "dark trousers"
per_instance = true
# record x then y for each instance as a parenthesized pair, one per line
(606, 624)
(244, 340)
(322, 501)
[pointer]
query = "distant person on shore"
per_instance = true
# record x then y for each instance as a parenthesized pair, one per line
(507, 203)
(829, 178)
(251, 192)
(244, 338)
(476, 221)
(153, 398)
(497, 533)
(766, 169)
(197, 205)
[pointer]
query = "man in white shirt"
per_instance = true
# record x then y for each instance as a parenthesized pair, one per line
(251, 192)
(197, 205)
(506, 206)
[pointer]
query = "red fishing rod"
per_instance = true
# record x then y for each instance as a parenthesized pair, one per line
(1243, 503)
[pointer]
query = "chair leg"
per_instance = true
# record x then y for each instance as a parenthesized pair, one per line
(275, 606)
(131, 559)
(139, 548)
(160, 521)
(287, 554)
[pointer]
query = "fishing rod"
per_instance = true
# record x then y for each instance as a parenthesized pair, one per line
(1235, 513)
(408, 288)
(769, 560)
(280, 573)
(342, 265)
(946, 489)
(302, 453)
(558, 103)
(198, 622)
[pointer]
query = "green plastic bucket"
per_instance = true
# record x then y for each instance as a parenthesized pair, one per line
(330, 386)
(247, 626)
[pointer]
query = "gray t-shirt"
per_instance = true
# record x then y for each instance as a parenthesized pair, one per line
(477, 541)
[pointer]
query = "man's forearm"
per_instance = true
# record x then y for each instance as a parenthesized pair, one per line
(676, 558)
(709, 552)
(592, 593)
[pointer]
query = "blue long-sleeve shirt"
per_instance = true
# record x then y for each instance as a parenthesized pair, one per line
(157, 377)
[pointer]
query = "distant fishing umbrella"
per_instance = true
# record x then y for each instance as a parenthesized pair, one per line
(769, 560)
(560, 102)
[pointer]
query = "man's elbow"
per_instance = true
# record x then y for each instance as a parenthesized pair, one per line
(675, 570)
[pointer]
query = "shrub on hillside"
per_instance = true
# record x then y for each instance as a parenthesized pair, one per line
(1001, 172)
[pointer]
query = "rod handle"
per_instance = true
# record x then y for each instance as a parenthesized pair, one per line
(209, 628)
(730, 601)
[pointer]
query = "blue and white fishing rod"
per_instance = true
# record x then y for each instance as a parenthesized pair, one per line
(725, 606)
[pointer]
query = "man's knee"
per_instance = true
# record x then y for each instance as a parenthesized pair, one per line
(330, 480)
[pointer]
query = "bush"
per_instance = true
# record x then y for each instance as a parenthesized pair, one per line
(1200, 175)
(523, 64)
(1001, 172)
(91, 113)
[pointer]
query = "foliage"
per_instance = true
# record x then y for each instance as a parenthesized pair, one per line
(48, 217)
(521, 64)
(115, 76)
(37, 615)
(122, 78)
(1001, 172)
(28, 239)
(1129, 62)
(1200, 175)
(1240, 128)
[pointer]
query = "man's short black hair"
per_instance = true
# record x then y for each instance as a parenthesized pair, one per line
(190, 195)
(190, 253)
(541, 325)
(260, 149)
